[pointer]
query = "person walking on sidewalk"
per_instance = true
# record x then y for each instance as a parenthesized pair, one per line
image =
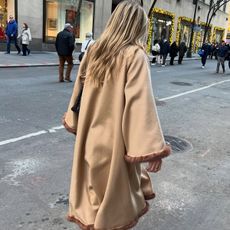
(173, 52)
(85, 44)
(11, 34)
(116, 126)
(182, 51)
(65, 46)
(221, 55)
(206, 49)
(25, 37)
(155, 52)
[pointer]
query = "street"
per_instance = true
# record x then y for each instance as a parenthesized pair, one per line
(192, 188)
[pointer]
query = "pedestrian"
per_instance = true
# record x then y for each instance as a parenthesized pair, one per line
(228, 55)
(213, 48)
(117, 126)
(205, 52)
(182, 51)
(65, 46)
(173, 52)
(25, 37)
(221, 55)
(85, 45)
(155, 52)
(11, 34)
(216, 49)
(165, 49)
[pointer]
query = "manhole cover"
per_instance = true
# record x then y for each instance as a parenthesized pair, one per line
(178, 145)
(181, 83)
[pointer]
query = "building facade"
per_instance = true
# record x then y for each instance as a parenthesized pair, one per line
(47, 17)
(170, 19)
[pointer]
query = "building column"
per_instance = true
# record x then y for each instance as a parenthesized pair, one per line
(31, 12)
(102, 13)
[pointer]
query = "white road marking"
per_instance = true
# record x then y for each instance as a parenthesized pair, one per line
(22, 137)
(162, 71)
(193, 91)
(205, 153)
(54, 129)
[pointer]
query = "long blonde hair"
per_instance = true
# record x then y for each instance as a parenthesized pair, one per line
(126, 26)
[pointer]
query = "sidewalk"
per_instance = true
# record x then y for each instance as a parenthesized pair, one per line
(36, 58)
(43, 58)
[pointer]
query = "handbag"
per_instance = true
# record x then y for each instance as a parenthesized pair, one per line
(81, 55)
(76, 106)
(201, 52)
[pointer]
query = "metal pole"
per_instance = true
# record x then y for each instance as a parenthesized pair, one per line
(189, 53)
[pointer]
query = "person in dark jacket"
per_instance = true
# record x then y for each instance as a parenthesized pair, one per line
(182, 51)
(164, 50)
(65, 46)
(173, 52)
(221, 55)
(206, 51)
(12, 34)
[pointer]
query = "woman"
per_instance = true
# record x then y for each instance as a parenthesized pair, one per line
(25, 37)
(116, 128)
(85, 45)
(182, 51)
(155, 52)
(173, 52)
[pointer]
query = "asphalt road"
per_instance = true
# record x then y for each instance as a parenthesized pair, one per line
(193, 187)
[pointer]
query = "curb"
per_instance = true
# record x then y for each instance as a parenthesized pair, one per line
(184, 59)
(33, 65)
(75, 62)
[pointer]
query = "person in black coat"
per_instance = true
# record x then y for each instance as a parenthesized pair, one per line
(206, 48)
(164, 50)
(65, 46)
(173, 52)
(182, 51)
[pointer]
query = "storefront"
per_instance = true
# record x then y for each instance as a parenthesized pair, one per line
(7, 8)
(184, 28)
(58, 12)
(161, 26)
(218, 34)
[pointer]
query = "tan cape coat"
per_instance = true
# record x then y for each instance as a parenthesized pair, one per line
(117, 128)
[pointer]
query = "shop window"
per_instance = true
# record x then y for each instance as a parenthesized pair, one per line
(162, 26)
(219, 36)
(185, 33)
(6, 9)
(59, 12)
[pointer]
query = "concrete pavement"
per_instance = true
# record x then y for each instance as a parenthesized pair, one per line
(36, 152)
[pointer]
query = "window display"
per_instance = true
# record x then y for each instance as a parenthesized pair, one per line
(185, 33)
(161, 28)
(79, 13)
(219, 36)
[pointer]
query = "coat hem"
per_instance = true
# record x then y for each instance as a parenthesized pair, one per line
(125, 227)
(149, 196)
(152, 156)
